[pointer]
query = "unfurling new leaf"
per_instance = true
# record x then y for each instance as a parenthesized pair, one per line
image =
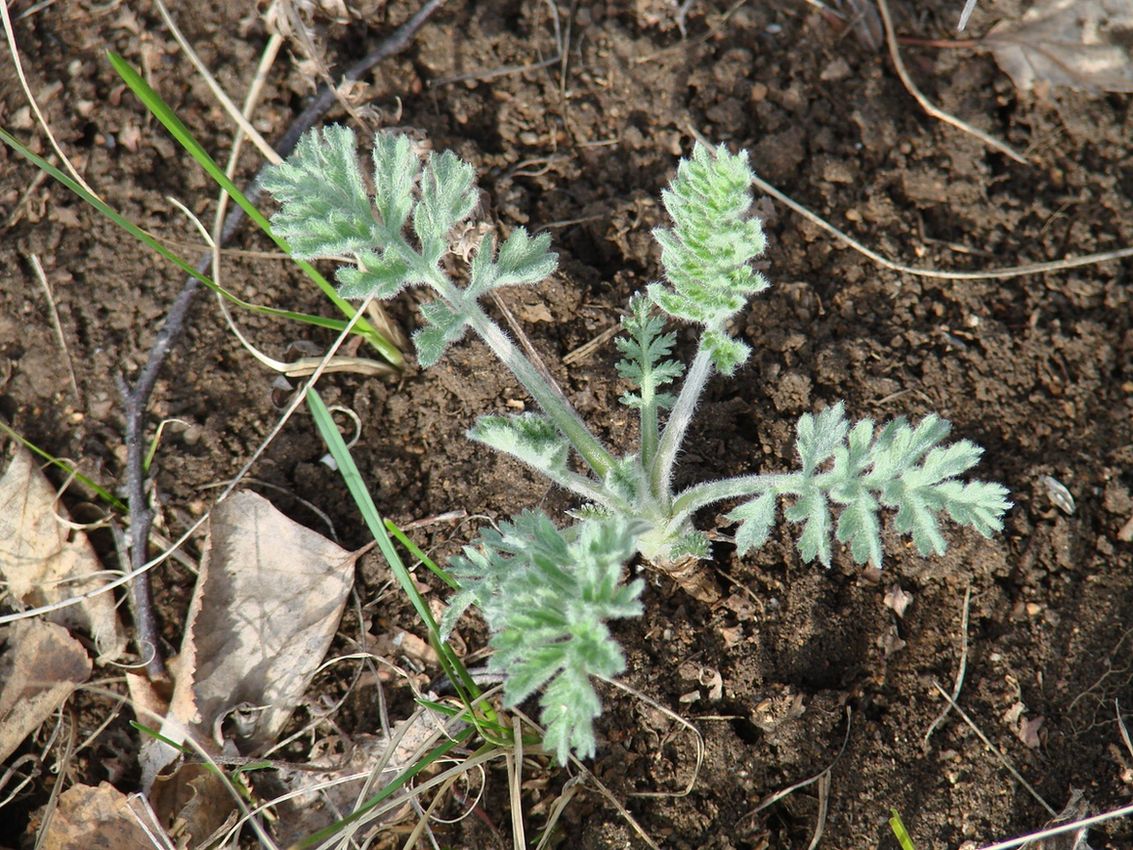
(645, 350)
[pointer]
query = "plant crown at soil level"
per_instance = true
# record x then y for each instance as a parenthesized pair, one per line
(547, 593)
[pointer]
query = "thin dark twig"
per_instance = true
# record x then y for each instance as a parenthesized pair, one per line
(135, 398)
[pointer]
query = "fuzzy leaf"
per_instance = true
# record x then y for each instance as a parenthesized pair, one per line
(644, 351)
(694, 544)
(812, 509)
(727, 352)
(980, 504)
(483, 273)
(624, 480)
(444, 326)
(447, 196)
(819, 436)
(325, 210)
(530, 437)
(707, 253)
(858, 525)
(524, 260)
(546, 596)
(381, 275)
(898, 466)
(396, 168)
(755, 518)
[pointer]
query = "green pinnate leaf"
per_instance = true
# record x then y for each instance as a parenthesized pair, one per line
(916, 518)
(530, 437)
(571, 707)
(525, 260)
(547, 596)
(645, 351)
(380, 275)
(396, 169)
(756, 519)
(813, 511)
(522, 260)
(859, 525)
(443, 327)
(448, 195)
(818, 436)
(325, 210)
(694, 544)
(980, 504)
(898, 466)
(708, 251)
(727, 352)
(946, 462)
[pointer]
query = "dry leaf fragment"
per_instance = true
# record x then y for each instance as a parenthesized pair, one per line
(897, 599)
(329, 785)
(267, 603)
(89, 817)
(41, 668)
(43, 561)
(1081, 44)
(193, 804)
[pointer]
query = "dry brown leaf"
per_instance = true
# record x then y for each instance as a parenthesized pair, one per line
(42, 561)
(326, 787)
(266, 606)
(41, 667)
(193, 804)
(1081, 44)
(89, 817)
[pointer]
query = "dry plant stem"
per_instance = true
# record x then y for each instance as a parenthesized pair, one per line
(995, 751)
(960, 671)
(1061, 829)
(136, 397)
(941, 274)
(926, 105)
(56, 325)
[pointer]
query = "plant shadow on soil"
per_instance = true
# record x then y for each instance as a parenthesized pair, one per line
(1035, 369)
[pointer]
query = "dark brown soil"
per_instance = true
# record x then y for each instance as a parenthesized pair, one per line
(1037, 369)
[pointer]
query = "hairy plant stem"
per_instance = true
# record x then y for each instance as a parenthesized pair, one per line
(547, 394)
(703, 495)
(649, 430)
(661, 472)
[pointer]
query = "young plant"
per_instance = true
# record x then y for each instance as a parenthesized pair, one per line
(547, 592)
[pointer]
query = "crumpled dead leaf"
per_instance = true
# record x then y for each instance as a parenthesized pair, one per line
(194, 805)
(43, 561)
(41, 667)
(328, 785)
(1080, 44)
(89, 817)
(267, 603)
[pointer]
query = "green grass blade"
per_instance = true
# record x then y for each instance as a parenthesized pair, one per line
(101, 492)
(453, 667)
(156, 246)
(416, 552)
(900, 832)
(165, 114)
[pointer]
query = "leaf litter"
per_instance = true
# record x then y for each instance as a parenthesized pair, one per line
(45, 559)
(1079, 44)
(266, 606)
